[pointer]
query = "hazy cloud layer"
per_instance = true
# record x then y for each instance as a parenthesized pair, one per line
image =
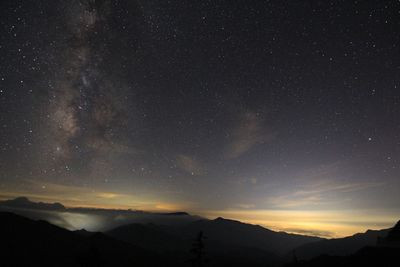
(190, 165)
(249, 131)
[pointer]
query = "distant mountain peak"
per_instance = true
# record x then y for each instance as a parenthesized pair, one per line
(394, 234)
(22, 199)
(19, 200)
(24, 202)
(222, 219)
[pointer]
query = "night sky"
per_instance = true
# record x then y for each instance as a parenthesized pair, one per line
(282, 113)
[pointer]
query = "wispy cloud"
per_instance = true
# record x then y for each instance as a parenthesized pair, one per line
(247, 133)
(322, 186)
(316, 193)
(78, 196)
(245, 206)
(320, 233)
(190, 165)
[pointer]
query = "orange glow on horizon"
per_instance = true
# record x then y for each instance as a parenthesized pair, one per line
(327, 224)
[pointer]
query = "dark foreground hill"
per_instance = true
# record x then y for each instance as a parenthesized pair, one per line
(340, 246)
(393, 237)
(385, 253)
(220, 233)
(366, 257)
(227, 242)
(168, 240)
(26, 242)
(176, 242)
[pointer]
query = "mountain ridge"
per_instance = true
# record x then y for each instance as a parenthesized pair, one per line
(27, 242)
(228, 232)
(340, 246)
(93, 219)
(24, 202)
(227, 242)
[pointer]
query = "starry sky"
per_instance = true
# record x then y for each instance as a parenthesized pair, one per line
(282, 113)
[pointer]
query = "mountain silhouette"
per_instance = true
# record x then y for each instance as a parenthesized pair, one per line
(25, 203)
(25, 242)
(249, 235)
(365, 257)
(223, 237)
(149, 236)
(394, 233)
(166, 239)
(175, 241)
(392, 239)
(339, 246)
(105, 219)
(385, 252)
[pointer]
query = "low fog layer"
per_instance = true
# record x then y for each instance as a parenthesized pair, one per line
(88, 218)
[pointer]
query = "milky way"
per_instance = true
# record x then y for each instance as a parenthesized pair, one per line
(86, 115)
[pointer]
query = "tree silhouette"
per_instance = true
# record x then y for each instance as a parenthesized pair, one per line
(295, 260)
(198, 250)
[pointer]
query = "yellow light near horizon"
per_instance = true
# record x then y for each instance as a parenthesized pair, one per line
(324, 223)
(328, 224)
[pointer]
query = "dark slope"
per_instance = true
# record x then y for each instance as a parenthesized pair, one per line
(243, 234)
(340, 246)
(149, 236)
(25, 242)
(394, 233)
(366, 257)
(220, 233)
(392, 239)
(385, 253)
(175, 243)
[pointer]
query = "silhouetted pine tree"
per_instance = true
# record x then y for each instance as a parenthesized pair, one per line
(198, 250)
(295, 260)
